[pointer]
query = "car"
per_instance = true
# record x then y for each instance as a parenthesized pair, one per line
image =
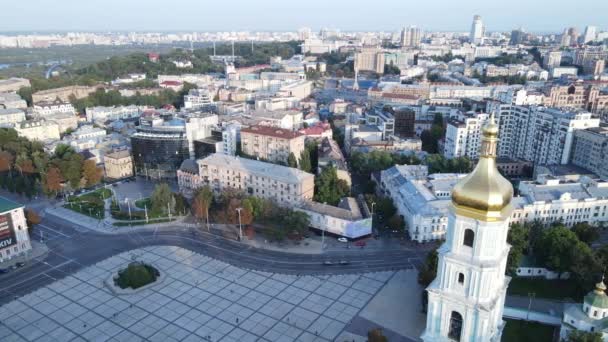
(343, 239)
(4, 270)
(327, 263)
(20, 264)
(360, 243)
(344, 262)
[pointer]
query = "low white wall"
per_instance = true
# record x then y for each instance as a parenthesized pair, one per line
(532, 316)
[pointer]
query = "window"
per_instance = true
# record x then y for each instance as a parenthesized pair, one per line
(460, 278)
(455, 326)
(469, 237)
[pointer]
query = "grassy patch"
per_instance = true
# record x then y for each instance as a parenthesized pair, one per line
(543, 288)
(144, 203)
(522, 331)
(90, 204)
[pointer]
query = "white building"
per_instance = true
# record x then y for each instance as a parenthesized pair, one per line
(88, 132)
(198, 98)
(14, 237)
(113, 113)
(421, 199)
(463, 135)
(9, 117)
(41, 130)
(230, 138)
(12, 101)
(590, 34)
(46, 108)
(590, 316)
(344, 220)
(466, 299)
(539, 134)
(477, 31)
(285, 185)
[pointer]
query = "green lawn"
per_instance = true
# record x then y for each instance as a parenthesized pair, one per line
(144, 203)
(543, 288)
(522, 331)
(141, 223)
(90, 204)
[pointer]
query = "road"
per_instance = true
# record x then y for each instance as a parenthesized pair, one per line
(73, 248)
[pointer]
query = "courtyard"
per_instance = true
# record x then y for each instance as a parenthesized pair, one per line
(199, 299)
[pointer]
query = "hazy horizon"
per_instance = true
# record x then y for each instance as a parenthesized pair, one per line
(271, 15)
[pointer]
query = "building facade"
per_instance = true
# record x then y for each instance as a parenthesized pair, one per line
(14, 236)
(284, 185)
(463, 135)
(118, 164)
(271, 143)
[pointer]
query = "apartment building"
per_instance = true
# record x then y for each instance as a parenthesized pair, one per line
(285, 185)
(590, 150)
(271, 143)
(539, 134)
(11, 116)
(370, 59)
(14, 237)
(41, 130)
(463, 135)
(46, 108)
(118, 164)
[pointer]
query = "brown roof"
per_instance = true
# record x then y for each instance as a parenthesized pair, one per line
(272, 131)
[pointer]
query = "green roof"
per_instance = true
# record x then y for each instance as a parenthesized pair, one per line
(597, 300)
(6, 205)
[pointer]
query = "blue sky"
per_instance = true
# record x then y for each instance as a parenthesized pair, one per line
(284, 15)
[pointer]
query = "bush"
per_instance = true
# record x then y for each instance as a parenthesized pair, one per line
(136, 275)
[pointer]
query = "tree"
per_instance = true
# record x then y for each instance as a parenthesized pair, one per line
(328, 188)
(181, 204)
(428, 272)
(162, 199)
(586, 232)
(297, 222)
(53, 180)
(305, 164)
(518, 239)
(292, 161)
(202, 201)
(91, 173)
(558, 247)
(583, 336)
(375, 335)
(31, 218)
(6, 161)
(397, 223)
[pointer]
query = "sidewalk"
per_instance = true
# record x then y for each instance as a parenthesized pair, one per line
(39, 250)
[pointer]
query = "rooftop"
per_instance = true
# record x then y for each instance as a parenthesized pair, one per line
(7, 205)
(272, 131)
(255, 167)
(348, 209)
(118, 154)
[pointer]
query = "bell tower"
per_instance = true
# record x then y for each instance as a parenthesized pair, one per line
(466, 299)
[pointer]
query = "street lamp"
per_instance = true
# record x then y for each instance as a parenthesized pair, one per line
(373, 204)
(238, 210)
(531, 296)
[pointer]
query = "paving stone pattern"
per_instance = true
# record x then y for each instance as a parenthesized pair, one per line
(201, 299)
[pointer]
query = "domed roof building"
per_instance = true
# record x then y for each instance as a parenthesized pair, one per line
(591, 316)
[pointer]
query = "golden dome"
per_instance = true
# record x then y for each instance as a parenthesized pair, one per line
(484, 194)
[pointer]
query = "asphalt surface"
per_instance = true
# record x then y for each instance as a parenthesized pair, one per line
(73, 248)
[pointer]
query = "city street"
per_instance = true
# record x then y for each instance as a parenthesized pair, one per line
(73, 248)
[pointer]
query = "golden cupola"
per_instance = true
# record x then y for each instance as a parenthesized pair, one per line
(484, 194)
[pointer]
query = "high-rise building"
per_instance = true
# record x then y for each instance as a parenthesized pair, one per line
(539, 134)
(463, 135)
(552, 59)
(466, 299)
(590, 150)
(590, 34)
(411, 36)
(370, 59)
(477, 31)
(517, 37)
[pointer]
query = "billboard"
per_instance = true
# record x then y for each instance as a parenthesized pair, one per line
(7, 231)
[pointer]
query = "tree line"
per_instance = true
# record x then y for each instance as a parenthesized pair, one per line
(26, 168)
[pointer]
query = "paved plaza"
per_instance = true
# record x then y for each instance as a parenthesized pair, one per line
(199, 299)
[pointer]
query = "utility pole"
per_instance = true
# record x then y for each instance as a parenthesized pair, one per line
(169, 210)
(207, 218)
(531, 296)
(146, 212)
(129, 206)
(238, 210)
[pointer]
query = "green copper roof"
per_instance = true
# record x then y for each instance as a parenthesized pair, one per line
(6, 205)
(597, 298)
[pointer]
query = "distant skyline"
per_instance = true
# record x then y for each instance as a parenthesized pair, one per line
(273, 15)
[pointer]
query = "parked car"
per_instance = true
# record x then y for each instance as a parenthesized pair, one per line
(360, 243)
(4, 270)
(343, 239)
(344, 262)
(20, 264)
(327, 263)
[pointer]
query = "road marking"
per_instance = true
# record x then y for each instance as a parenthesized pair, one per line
(55, 231)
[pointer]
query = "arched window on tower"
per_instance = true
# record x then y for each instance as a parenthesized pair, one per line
(469, 237)
(455, 326)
